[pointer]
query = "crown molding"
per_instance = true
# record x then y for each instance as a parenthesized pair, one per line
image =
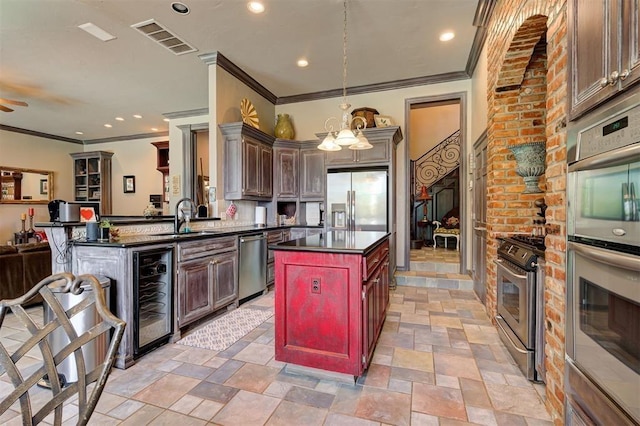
(127, 138)
(39, 134)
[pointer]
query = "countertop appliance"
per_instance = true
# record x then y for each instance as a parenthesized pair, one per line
(602, 336)
(357, 200)
(152, 298)
(252, 266)
(520, 316)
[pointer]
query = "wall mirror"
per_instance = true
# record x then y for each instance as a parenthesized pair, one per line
(25, 186)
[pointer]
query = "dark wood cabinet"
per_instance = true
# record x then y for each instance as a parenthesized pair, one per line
(162, 165)
(604, 51)
(207, 277)
(286, 165)
(92, 179)
(312, 174)
(248, 158)
(274, 237)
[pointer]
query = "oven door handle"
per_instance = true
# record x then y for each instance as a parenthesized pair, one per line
(608, 257)
(509, 271)
(506, 334)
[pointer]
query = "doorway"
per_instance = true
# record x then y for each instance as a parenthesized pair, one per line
(435, 135)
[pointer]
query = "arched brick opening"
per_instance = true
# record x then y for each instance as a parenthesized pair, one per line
(519, 116)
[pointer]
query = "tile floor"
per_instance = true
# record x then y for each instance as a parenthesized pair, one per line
(438, 361)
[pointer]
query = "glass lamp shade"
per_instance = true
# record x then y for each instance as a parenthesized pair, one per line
(329, 144)
(363, 142)
(346, 137)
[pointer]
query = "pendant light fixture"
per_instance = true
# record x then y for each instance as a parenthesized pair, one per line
(335, 140)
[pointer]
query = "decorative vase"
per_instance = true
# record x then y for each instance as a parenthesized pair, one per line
(530, 164)
(284, 128)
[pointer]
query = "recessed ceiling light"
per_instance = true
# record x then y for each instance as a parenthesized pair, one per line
(180, 8)
(96, 31)
(155, 129)
(446, 36)
(255, 7)
(137, 116)
(302, 63)
(166, 119)
(108, 125)
(79, 133)
(119, 118)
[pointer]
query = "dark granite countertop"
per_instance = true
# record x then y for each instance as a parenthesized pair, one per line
(161, 238)
(350, 242)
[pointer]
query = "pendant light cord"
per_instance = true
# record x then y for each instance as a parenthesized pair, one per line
(344, 56)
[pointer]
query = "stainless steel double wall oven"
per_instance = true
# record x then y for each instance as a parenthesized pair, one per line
(603, 266)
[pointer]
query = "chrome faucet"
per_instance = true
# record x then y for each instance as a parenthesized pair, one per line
(179, 219)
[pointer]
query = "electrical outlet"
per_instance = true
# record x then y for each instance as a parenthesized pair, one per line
(315, 285)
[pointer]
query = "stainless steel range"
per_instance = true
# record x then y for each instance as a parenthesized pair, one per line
(520, 316)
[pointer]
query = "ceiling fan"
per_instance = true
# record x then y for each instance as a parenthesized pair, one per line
(10, 102)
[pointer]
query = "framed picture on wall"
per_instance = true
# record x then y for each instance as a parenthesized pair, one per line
(44, 186)
(129, 184)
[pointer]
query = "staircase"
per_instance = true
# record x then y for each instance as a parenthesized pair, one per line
(434, 268)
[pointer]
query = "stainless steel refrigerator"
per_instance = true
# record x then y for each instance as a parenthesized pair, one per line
(357, 200)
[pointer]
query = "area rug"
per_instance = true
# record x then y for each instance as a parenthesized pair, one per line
(224, 331)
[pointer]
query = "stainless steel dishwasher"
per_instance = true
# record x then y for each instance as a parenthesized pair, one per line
(252, 276)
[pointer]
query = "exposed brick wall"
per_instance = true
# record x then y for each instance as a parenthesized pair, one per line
(526, 94)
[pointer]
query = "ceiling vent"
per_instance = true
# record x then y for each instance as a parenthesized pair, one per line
(161, 35)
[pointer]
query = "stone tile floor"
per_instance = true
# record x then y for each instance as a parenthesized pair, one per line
(438, 361)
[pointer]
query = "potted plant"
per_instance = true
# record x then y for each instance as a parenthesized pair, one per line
(105, 229)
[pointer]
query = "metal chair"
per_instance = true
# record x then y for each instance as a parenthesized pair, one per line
(24, 379)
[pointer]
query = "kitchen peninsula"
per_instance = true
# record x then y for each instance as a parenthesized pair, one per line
(162, 282)
(332, 292)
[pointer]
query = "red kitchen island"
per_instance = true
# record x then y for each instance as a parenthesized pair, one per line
(332, 292)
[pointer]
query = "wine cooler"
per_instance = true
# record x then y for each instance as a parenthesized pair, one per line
(153, 309)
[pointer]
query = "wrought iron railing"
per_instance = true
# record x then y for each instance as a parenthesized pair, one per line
(437, 163)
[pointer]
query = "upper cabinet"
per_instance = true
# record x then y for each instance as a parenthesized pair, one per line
(312, 175)
(384, 141)
(604, 51)
(92, 179)
(285, 169)
(248, 157)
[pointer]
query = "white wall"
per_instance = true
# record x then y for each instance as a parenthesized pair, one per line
(34, 152)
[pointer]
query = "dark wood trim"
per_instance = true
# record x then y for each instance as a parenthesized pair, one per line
(378, 87)
(127, 137)
(39, 134)
(185, 114)
(219, 59)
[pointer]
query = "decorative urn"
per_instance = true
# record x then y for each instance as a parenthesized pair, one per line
(530, 164)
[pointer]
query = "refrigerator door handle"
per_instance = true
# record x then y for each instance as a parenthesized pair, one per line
(353, 210)
(347, 213)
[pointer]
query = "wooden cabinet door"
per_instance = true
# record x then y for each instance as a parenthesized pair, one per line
(312, 175)
(379, 153)
(592, 41)
(195, 298)
(286, 172)
(251, 170)
(369, 321)
(266, 171)
(225, 279)
(344, 156)
(630, 42)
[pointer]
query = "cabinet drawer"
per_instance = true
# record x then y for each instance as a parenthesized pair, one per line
(199, 248)
(374, 259)
(275, 236)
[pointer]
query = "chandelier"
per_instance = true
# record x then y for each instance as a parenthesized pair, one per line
(336, 139)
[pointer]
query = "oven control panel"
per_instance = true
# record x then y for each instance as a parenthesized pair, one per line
(518, 255)
(605, 130)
